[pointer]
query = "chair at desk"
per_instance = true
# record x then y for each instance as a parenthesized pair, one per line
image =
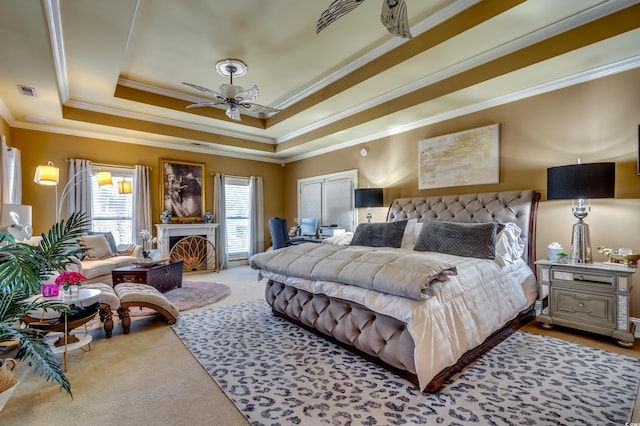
(279, 233)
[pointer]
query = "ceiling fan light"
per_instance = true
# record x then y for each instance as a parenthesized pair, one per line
(233, 113)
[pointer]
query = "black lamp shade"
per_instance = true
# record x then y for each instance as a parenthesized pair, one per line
(591, 180)
(369, 197)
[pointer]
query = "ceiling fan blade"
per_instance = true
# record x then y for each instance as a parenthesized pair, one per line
(336, 10)
(205, 104)
(394, 17)
(247, 95)
(205, 90)
(259, 108)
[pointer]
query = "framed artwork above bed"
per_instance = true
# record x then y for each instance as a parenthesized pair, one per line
(470, 157)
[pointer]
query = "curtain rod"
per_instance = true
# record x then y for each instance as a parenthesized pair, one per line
(119, 166)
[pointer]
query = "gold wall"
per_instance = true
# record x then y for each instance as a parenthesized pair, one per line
(596, 121)
(39, 147)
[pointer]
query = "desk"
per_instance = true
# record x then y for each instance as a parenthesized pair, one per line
(68, 341)
(300, 240)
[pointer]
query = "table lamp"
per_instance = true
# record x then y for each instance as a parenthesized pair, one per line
(581, 182)
(369, 197)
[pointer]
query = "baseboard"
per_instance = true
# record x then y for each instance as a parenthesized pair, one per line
(636, 321)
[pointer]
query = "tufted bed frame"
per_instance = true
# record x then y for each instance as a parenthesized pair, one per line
(386, 340)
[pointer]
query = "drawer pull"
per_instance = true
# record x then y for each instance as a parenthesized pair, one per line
(580, 305)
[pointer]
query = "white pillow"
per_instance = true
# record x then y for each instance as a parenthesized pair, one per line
(509, 246)
(411, 232)
(343, 239)
(97, 246)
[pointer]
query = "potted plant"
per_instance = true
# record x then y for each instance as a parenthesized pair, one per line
(22, 269)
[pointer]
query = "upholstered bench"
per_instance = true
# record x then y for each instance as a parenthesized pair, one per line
(143, 295)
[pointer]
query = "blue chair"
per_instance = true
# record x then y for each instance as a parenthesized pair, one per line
(279, 233)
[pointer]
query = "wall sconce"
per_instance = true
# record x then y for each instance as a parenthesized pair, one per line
(124, 187)
(581, 182)
(369, 197)
(49, 176)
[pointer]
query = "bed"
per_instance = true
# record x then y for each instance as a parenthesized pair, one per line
(459, 282)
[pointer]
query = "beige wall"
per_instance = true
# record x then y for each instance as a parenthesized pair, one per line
(40, 147)
(596, 121)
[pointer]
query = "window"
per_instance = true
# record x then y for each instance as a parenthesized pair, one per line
(113, 211)
(237, 212)
(329, 199)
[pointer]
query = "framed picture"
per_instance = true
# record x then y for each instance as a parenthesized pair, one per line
(470, 157)
(182, 189)
(638, 160)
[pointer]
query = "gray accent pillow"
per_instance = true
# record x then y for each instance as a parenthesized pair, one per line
(109, 236)
(380, 234)
(460, 239)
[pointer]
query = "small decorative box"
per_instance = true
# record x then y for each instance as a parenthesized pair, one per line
(50, 290)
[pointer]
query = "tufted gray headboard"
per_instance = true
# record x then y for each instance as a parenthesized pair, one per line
(520, 207)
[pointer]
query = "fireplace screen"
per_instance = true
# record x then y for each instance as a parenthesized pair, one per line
(197, 253)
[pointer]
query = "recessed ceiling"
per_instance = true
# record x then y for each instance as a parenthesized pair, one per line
(114, 70)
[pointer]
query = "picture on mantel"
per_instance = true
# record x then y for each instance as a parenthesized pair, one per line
(183, 189)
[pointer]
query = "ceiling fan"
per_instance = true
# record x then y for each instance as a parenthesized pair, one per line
(233, 97)
(393, 16)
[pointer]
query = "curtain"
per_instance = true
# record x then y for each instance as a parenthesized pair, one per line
(11, 174)
(256, 216)
(141, 202)
(78, 188)
(220, 216)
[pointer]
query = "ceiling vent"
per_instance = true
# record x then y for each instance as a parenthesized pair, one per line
(27, 91)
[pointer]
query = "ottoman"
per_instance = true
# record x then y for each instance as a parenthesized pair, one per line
(143, 295)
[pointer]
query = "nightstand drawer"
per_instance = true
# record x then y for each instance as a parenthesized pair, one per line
(584, 307)
(587, 278)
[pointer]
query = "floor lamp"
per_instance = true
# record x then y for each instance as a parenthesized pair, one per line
(369, 197)
(49, 175)
(581, 182)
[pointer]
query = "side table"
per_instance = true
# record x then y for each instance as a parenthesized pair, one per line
(68, 341)
(592, 297)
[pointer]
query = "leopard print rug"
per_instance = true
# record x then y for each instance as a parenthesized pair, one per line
(279, 374)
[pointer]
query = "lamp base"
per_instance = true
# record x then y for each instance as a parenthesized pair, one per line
(369, 215)
(580, 251)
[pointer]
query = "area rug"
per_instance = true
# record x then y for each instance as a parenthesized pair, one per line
(279, 374)
(192, 295)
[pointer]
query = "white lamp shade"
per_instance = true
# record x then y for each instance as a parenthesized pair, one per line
(104, 179)
(124, 187)
(47, 175)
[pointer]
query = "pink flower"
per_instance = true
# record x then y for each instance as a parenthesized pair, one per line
(66, 279)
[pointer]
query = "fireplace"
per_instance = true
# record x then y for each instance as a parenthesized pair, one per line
(169, 234)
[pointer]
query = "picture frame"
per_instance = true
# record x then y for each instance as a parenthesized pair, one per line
(638, 159)
(469, 157)
(182, 190)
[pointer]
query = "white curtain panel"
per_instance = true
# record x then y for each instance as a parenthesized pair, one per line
(256, 216)
(220, 217)
(11, 178)
(141, 202)
(78, 188)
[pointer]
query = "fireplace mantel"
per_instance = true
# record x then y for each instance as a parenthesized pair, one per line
(166, 231)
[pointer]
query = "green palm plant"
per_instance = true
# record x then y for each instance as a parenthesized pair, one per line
(22, 269)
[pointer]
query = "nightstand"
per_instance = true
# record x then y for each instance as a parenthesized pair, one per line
(592, 297)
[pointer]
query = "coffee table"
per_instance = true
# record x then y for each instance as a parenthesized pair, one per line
(163, 275)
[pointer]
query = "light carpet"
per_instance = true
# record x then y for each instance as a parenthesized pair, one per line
(279, 374)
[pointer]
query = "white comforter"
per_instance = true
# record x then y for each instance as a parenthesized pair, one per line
(460, 314)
